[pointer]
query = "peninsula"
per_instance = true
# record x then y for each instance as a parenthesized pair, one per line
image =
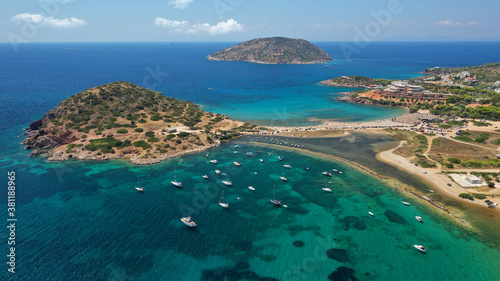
(124, 120)
(274, 50)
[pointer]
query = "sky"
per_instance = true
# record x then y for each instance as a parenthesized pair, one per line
(239, 20)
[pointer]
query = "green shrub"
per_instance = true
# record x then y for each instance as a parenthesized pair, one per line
(122, 131)
(153, 139)
(142, 121)
(140, 143)
(465, 195)
(169, 137)
(480, 196)
(150, 134)
(455, 160)
(139, 130)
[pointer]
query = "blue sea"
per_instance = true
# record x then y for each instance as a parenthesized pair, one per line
(85, 221)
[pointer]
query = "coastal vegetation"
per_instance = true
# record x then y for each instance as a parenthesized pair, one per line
(274, 50)
(119, 119)
(487, 73)
(355, 82)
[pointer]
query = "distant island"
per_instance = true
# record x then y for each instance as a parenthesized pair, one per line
(354, 82)
(124, 120)
(274, 50)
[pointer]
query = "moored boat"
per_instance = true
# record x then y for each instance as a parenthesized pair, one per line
(214, 161)
(217, 172)
(326, 173)
(287, 166)
(176, 183)
(205, 176)
(283, 178)
(405, 203)
(419, 218)
(251, 188)
(237, 164)
(420, 248)
(188, 221)
(250, 154)
(274, 201)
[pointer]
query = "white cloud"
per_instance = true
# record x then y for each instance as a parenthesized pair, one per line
(48, 21)
(180, 4)
(448, 22)
(222, 27)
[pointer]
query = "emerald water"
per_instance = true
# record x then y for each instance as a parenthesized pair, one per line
(85, 221)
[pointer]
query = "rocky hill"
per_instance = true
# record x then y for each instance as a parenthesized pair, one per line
(274, 50)
(124, 120)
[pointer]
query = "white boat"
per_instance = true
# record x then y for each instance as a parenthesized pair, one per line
(188, 221)
(176, 183)
(405, 203)
(420, 248)
(250, 154)
(335, 170)
(238, 164)
(261, 160)
(287, 166)
(235, 146)
(214, 161)
(280, 158)
(326, 189)
(283, 178)
(274, 201)
(326, 173)
(419, 218)
(251, 188)
(217, 172)
(139, 188)
(222, 204)
(370, 213)
(205, 176)
(226, 181)
(235, 152)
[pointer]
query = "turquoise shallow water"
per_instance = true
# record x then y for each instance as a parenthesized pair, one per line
(85, 221)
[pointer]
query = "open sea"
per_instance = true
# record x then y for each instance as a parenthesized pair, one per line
(85, 221)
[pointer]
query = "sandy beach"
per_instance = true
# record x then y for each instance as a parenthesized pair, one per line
(434, 177)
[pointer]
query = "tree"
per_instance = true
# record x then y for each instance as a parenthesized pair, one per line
(491, 184)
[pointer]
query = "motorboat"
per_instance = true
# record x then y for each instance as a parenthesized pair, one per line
(420, 248)
(370, 213)
(326, 173)
(214, 161)
(238, 164)
(305, 168)
(251, 188)
(205, 176)
(405, 203)
(287, 166)
(326, 189)
(419, 218)
(226, 182)
(217, 172)
(283, 178)
(250, 154)
(188, 221)
(280, 158)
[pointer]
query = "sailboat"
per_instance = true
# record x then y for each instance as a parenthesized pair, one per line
(326, 188)
(175, 182)
(274, 201)
(222, 204)
(139, 188)
(283, 177)
(226, 182)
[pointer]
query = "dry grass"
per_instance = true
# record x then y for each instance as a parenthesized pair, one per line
(445, 148)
